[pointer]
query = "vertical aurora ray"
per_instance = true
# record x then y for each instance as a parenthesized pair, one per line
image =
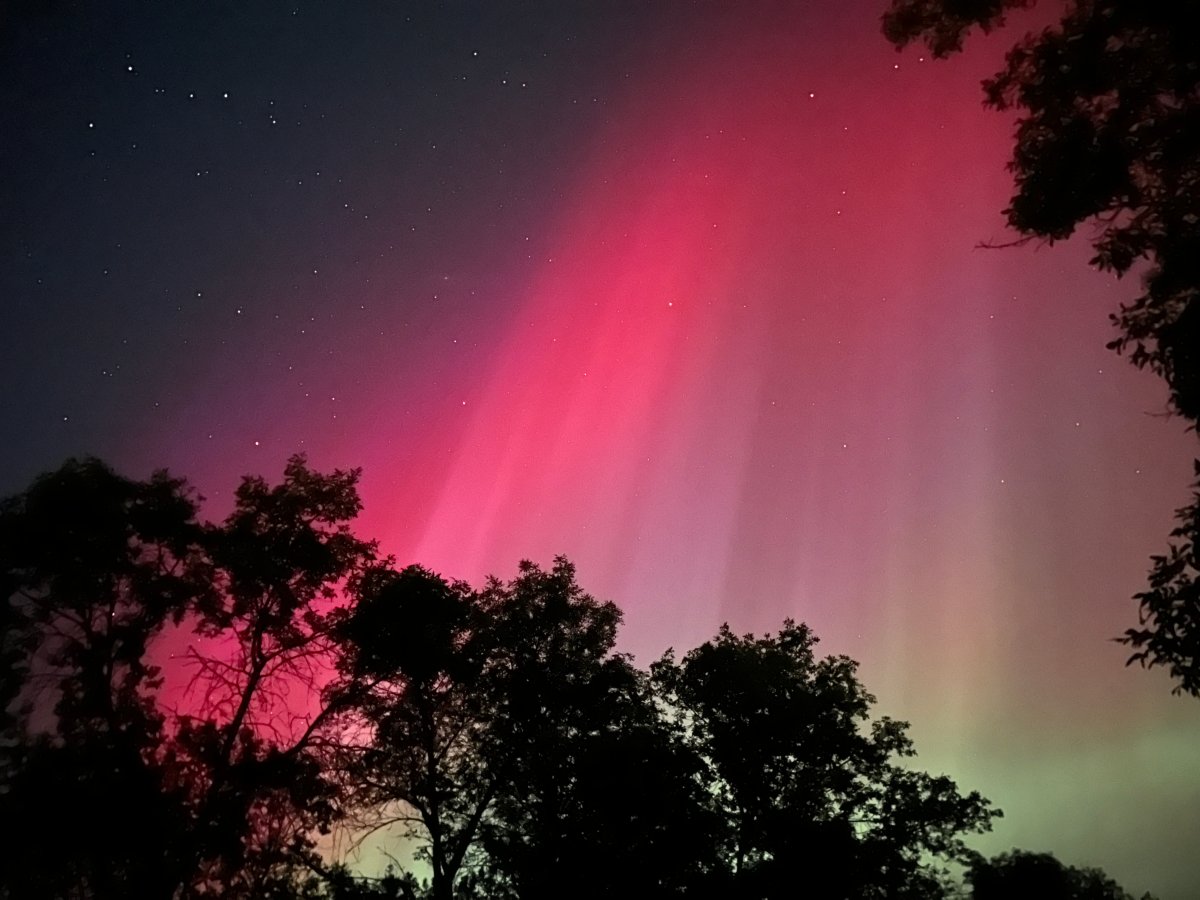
(726, 357)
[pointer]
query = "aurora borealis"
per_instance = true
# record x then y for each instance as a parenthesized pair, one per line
(690, 293)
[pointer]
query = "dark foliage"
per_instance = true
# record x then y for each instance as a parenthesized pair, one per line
(94, 566)
(595, 785)
(943, 24)
(499, 727)
(117, 793)
(1108, 134)
(804, 781)
(1170, 606)
(415, 655)
(1022, 874)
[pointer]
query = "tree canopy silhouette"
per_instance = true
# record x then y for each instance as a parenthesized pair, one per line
(499, 726)
(1108, 134)
(518, 749)
(808, 788)
(224, 795)
(1020, 873)
(94, 567)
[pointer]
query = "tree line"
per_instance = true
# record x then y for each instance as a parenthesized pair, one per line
(498, 728)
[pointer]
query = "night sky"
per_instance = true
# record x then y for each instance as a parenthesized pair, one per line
(689, 292)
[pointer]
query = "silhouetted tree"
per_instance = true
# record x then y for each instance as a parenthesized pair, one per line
(113, 794)
(506, 736)
(418, 654)
(943, 24)
(339, 883)
(255, 759)
(1020, 873)
(1170, 608)
(1108, 133)
(812, 793)
(597, 790)
(94, 566)
(1108, 105)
